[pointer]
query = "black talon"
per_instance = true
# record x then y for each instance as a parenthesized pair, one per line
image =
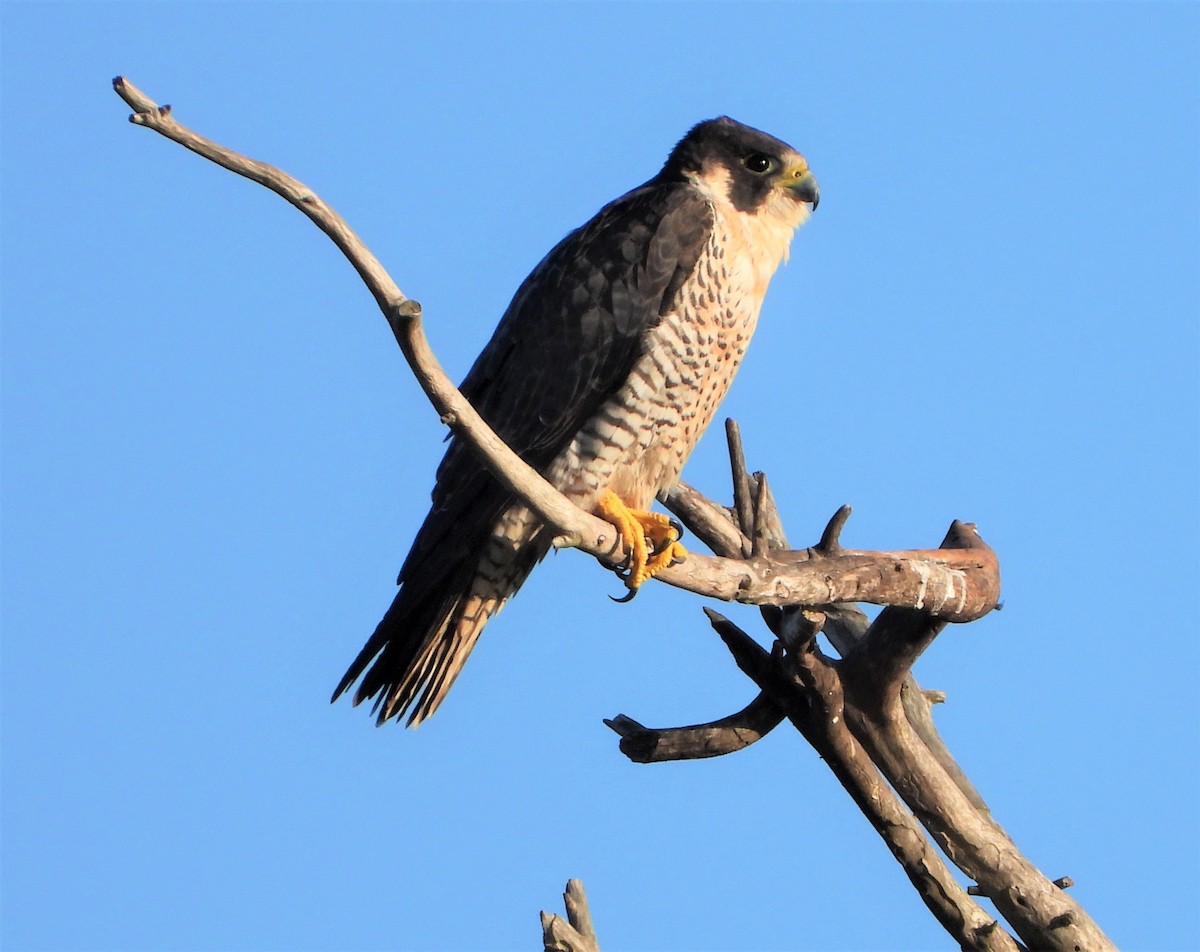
(628, 597)
(678, 527)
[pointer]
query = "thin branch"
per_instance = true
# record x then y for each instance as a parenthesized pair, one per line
(768, 526)
(917, 706)
(831, 538)
(743, 503)
(757, 581)
(759, 541)
(404, 317)
(648, 745)
(147, 113)
(712, 524)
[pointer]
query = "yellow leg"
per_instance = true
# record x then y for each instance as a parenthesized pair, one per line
(649, 536)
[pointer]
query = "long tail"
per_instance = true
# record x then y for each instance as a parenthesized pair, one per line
(426, 636)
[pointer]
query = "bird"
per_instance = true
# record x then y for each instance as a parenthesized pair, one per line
(602, 374)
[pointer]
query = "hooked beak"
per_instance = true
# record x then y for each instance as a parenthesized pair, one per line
(804, 187)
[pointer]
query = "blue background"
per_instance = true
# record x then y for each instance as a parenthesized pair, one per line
(214, 459)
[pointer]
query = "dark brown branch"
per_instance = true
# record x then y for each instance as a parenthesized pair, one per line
(715, 738)
(747, 653)
(813, 702)
(877, 662)
(647, 745)
(845, 627)
(743, 504)
(831, 538)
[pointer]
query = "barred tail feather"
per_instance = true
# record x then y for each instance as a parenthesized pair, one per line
(423, 641)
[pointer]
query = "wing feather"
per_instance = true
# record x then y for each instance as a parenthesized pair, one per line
(567, 342)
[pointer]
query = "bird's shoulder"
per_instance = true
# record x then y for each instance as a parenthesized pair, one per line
(576, 324)
(638, 241)
(567, 342)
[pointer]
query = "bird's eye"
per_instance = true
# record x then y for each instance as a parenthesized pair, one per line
(759, 163)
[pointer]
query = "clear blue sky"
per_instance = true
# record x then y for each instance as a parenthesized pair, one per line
(214, 459)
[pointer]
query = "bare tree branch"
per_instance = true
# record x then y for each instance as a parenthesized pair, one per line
(710, 523)
(647, 745)
(743, 503)
(1040, 912)
(817, 711)
(806, 686)
(892, 645)
(869, 720)
(863, 712)
(404, 317)
(575, 934)
(956, 586)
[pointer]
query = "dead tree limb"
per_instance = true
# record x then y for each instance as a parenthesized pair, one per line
(575, 933)
(644, 745)
(861, 711)
(866, 716)
(955, 584)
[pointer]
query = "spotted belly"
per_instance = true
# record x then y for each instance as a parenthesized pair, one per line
(638, 441)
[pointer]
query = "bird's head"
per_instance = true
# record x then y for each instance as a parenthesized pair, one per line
(748, 169)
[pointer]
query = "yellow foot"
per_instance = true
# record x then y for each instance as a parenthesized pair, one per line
(651, 538)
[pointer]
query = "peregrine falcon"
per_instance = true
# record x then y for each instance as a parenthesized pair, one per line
(603, 373)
